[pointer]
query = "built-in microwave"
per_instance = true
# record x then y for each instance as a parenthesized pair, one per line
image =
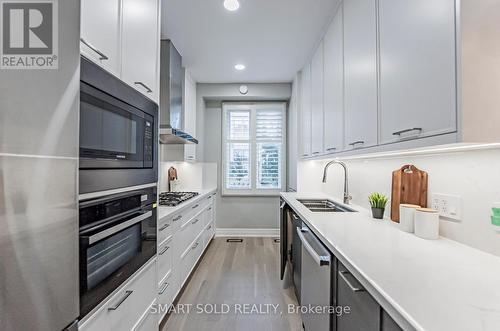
(118, 132)
(118, 235)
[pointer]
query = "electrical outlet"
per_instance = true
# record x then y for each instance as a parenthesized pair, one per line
(448, 205)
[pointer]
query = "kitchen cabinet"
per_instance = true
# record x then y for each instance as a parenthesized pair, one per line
(305, 112)
(360, 65)
(334, 85)
(140, 46)
(125, 309)
(364, 310)
(189, 104)
(101, 33)
(388, 324)
(317, 114)
(417, 69)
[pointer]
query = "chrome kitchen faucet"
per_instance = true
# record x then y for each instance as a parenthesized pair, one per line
(347, 197)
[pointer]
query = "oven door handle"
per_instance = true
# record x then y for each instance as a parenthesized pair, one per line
(117, 228)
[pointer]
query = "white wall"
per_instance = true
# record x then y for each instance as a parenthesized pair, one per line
(473, 175)
(191, 176)
(235, 212)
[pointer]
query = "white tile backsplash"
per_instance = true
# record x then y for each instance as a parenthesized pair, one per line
(191, 176)
(472, 175)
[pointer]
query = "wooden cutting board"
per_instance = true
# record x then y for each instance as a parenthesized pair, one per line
(409, 185)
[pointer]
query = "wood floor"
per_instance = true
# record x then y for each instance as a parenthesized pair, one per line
(229, 276)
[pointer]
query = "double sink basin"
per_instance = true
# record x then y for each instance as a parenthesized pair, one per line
(325, 206)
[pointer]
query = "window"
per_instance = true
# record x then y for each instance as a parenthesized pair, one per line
(253, 148)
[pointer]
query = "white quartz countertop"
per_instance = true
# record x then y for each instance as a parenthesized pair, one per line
(168, 211)
(434, 285)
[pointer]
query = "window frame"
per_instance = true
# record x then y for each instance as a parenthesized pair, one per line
(253, 107)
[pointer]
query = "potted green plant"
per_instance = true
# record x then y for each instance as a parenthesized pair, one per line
(378, 202)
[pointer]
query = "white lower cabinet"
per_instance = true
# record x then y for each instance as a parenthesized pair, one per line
(125, 309)
(190, 232)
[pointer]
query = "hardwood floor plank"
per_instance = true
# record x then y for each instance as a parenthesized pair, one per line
(237, 275)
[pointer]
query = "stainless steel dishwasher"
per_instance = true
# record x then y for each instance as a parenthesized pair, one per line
(316, 279)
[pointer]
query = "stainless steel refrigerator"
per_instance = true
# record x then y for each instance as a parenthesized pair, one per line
(39, 288)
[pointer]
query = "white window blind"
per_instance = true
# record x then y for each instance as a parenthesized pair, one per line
(253, 148)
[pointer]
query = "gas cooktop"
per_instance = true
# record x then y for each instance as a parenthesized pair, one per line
(172, 199)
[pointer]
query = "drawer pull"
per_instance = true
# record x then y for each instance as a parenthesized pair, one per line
(305, 155)
(331, 149)
(164, 250)
(209, 227)
(209, 209)
(359, 142)
(352, 287)
(315, 153)
(102, 56)
(164, 227)
(177, 218)
(195, 221)
(163, 288)
(122, 300)
(148, 90)
(195, 245)
(195, 206)
(398, 133)
(209, 197)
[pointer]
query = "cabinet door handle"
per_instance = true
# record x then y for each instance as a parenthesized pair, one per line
(122, 300)
(164, 250)
(398, 133)
(305, 155)
(164, 227)
(177, 218)
(194, 207)
(315, 153)
(195, 221)
(195, 245)
(359, 142)
(209, 209)
(145, 86)
(331, 149)
(352, 287)
(163, 288)
(102, 56)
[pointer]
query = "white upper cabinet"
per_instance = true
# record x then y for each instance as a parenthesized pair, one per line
(189, 104)
(360, 65)
(317, 114)
(305, 112)
(333, 44)
(100, 33)
(417, 69)
(140, 46)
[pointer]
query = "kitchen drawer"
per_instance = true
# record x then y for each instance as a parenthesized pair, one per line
(165, 228)
(190, 257)
(190, 230)
(126, 307)
(208, 214)
(208, 234)
(165, 258)
(167, 290)
(149, 320)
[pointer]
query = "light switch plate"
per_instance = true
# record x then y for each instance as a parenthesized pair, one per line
(449, 206)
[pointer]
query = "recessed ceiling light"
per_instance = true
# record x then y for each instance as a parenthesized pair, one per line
(231, 5)
(239, 67)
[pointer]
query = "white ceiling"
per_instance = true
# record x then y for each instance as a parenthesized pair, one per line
(273, 38)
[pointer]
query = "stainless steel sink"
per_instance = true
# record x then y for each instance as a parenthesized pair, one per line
(325, 206)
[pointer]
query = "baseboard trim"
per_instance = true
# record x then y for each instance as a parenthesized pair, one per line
(241, 232)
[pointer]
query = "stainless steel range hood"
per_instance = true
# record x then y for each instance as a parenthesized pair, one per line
(171, 112)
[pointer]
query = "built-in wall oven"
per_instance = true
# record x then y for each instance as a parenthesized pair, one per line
(117, 237)
(118, 133)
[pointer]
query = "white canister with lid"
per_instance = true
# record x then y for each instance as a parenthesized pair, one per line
(427, 223)
(407, 217)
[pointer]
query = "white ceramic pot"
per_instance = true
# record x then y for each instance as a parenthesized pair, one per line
(427, 223)
(407, 217)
